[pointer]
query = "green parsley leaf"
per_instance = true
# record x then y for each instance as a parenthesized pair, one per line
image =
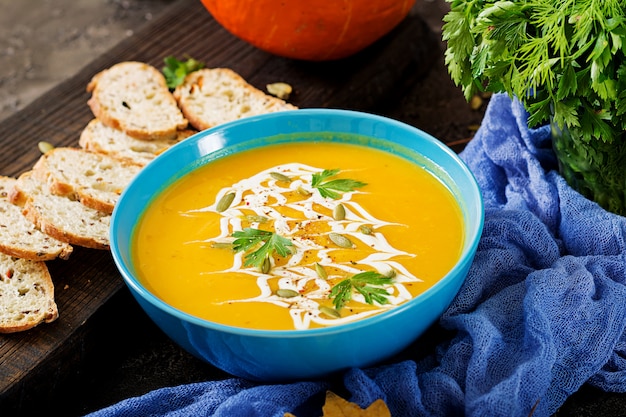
(332, 188)
(366, 283)
(249, 239)
(175, 71)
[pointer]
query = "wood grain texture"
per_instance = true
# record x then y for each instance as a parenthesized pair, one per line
(372, 80)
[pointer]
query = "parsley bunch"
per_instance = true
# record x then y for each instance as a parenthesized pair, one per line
(561, 58)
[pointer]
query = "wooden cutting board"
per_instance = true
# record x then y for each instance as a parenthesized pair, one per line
(373, 80)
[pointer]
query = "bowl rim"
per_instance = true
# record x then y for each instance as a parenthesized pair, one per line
(466, 257)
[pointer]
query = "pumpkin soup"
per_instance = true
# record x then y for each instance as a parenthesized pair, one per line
(299, 235)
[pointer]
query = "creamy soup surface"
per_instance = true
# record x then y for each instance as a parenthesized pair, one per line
(297, 236)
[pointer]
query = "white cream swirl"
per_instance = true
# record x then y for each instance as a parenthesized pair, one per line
(265, 195)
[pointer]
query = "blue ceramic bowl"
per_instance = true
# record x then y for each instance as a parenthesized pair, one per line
(299, 354)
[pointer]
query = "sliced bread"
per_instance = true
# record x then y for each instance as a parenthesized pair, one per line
(100, 138)
(212, 96)
(64, 219)
(26, 294)
(134, 97)
(19, 237)
(94, 179)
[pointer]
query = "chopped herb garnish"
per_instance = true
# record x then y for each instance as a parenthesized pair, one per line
(363, 283)
(175, 71)
(331, 188)
(249, 239)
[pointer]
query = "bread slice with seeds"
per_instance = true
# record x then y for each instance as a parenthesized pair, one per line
(100, 138)
(212, 96)
(64, 219)
(94, 179)
(134, 97)
(27, 294)
(19, 237)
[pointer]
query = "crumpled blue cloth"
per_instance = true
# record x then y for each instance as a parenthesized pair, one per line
(543, 309)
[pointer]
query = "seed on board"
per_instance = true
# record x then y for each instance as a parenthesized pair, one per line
(329, 311)
(225, 202)
(339, 212)
(286, 293)
(340, 240)
(45, 147)
(280, 90)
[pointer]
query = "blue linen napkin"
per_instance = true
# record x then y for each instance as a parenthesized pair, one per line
(543, 309)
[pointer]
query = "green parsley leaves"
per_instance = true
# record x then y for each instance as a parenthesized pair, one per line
(364, 284)
(332, 188)
(249, 239)
(175, 71)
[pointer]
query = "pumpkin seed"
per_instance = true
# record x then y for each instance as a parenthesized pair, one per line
(266, 266)
(225, 202)
(366, 230)
(286, 293)
(280, 177)
(321, 272)
(303, 191)
(339, 212)
(340, 240)
(391, 273)
(329, 311)
(45, 147)
(221, 245)
(280, 90)
(253, 218)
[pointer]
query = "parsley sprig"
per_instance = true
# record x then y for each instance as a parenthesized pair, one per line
(363, 283)
(249, 239)
(175, 71)
(331, 188)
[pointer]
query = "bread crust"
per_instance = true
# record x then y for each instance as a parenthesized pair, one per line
(134, 97)
(212, 96)
(94, 179)
(27, 292)
(64, 219)
(100, 138)
(18, 235)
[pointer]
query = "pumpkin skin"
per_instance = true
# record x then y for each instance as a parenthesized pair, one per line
(311, 30)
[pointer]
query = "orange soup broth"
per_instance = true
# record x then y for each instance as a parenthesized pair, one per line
(174, 261)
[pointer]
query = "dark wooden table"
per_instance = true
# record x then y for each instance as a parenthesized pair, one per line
(103, 348)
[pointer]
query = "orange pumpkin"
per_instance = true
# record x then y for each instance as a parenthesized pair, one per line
(313, 30)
